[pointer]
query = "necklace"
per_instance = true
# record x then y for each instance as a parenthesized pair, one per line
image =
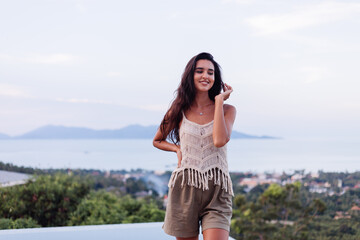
(202, 112)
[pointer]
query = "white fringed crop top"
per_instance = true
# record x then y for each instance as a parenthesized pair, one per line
(201, 158)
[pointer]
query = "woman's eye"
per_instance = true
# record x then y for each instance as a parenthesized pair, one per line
(199, 71)
(210, 73)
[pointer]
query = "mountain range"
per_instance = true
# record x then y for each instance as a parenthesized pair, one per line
(129, 132)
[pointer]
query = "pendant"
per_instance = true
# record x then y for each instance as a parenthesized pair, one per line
(201, 114)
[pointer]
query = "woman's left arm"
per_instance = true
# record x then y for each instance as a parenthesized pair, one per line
(224, 118)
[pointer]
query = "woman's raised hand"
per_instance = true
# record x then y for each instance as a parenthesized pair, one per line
(226, 93)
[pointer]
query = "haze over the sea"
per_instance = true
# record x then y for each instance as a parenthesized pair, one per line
(335, 155)
(105, 65)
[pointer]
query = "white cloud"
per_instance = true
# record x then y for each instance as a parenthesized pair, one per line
(84, 100)
(302, 17)
(313, 74)
(53, 59)
(59, 58)
(149, 107)
(239, 1)
(114, 74)
(12, 91)
(316, 42)
(155, 107)
(81, 7)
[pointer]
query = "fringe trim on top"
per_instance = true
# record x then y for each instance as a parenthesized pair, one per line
(199, 179)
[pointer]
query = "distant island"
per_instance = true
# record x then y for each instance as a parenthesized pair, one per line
(129, 132)
(4, 136)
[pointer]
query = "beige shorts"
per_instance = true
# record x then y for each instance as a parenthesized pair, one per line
(188, 207)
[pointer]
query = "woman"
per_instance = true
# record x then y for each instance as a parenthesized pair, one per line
(199, 125)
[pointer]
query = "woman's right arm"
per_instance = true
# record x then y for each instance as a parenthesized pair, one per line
(162, 144)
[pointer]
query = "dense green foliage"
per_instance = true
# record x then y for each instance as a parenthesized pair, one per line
(61, 197)
(291, 212)
(49, 199)
(99, 179)
(277, 214)
(330, 229)
(342, 202)
(18, 223)
(60, 200)
(105, 208)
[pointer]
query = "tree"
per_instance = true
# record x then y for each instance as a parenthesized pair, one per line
(98, 208)
(106, 208)
(277, 214)
(48, 199)
(6, 223)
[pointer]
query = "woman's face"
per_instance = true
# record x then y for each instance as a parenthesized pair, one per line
(204, 75)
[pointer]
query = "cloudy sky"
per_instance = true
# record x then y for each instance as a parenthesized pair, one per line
(294, 65)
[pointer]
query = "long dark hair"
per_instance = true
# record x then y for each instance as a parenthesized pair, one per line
(185, 95)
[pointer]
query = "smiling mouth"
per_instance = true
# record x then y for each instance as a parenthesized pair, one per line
(204, 82)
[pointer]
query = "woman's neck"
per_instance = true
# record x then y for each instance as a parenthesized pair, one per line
(201, 100)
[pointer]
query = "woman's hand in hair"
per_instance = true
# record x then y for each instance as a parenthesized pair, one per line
(226, 93)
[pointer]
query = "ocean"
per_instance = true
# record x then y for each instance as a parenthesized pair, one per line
(268, 155)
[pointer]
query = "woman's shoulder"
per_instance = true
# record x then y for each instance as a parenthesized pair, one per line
(229, 108)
